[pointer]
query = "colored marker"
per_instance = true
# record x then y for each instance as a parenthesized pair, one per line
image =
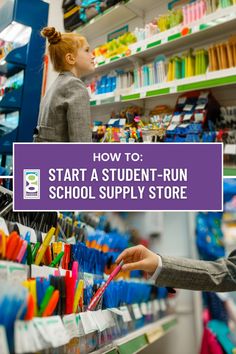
(101, 290)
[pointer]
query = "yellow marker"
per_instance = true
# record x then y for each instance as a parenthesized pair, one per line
(78, 294)
(33, 291)
(44, 246)
(26, 284)
(3, 243)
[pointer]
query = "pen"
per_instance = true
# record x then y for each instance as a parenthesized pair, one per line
(101, 290)
(44, 246)
(56, 260)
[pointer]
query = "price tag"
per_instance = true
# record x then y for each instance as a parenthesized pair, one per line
(71, 325)
(156, 306)
(79, 325)
(176, 118)
(3, 226)
(109, 318)
(173, 89)
(3, 341)
(172, 127)
(116, 311)
(149, 308)
(17, 272)
(143, 307)
(87, 321)
(56, 331)
(32, 330)
(125, 314)
(187, 116)
(182, 100)
(188, 107)
(88, 279)
(137, 312)
(230, 149)
(163, 305)
(3, 270)
(18, 338)
(40, 328)
(198, 117)
(99, 319)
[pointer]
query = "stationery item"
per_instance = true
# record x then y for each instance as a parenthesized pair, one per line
(78, 294)
(96, 298)
(46, 299)
(29, 255)
(10, 246)
(22, 252)
(44, 246)
(35, 250)
(57, 260)
(52, 304)
(3, 244)
(30, 308)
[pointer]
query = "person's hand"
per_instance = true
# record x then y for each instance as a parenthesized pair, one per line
(138, 258)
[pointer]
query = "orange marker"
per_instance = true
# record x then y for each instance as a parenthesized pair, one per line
(30, 308)
(52, 304)
(11, 243)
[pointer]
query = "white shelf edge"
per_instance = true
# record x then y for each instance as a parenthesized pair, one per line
(171, 85)
(220, 13)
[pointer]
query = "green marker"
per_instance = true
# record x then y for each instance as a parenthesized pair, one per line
(57, 259)
(35, 251)
(46, 299)
(29, 255)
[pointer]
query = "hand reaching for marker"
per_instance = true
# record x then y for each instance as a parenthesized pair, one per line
(138, 258)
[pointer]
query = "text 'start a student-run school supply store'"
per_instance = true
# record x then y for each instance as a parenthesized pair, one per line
(164, 72)
(64, 289)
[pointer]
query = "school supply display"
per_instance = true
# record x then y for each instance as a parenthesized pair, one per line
(60, 294)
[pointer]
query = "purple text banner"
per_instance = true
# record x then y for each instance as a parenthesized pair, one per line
(121, 177)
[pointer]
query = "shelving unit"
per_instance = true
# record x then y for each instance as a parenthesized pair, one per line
(141, 338)
(212, 28)
(31, 16)
(210, 80)
(114, 17)
(220, 21)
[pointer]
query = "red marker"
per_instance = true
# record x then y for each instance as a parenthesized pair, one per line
(101, 290)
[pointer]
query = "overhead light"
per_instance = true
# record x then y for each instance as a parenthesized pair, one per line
(17, 33)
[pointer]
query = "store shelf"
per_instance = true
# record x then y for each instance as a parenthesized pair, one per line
(114, 17)
(11, 101)
(141, 338)
(230, 171)
(210, 80)
(221, 21)
(14, 62)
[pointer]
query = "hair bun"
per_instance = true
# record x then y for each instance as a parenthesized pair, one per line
(51, 34)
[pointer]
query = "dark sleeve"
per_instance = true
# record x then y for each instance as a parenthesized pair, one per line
(184, 273)
(78, 112)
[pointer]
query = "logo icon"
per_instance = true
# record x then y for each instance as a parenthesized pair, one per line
(31, 187)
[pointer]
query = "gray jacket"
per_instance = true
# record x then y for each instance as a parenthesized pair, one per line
(183, 273)
(65, 112)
